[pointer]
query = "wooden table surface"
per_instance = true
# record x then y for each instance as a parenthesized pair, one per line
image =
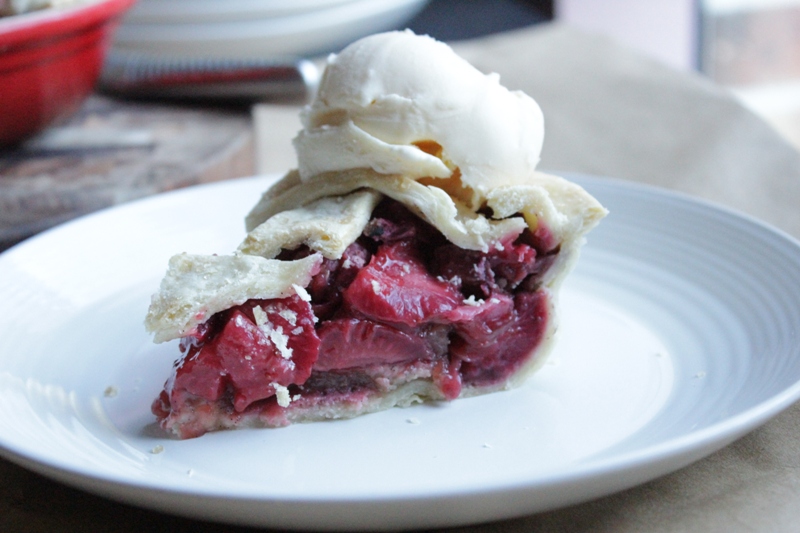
(114, 151)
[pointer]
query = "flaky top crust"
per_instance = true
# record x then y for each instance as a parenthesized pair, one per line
(567, 209)
(328, 213)
(197, 286)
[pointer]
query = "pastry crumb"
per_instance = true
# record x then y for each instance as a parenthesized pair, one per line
(157, 449)
(301, 292)
(282, 394)
(487, 445)
(281, 342)
(475, 302)
(260, 315)
(700, 375)
(413, 420)
(111, 391)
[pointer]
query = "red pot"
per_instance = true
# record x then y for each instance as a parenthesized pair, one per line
(49, 63)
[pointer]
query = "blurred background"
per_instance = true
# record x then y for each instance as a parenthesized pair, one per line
(750, 46)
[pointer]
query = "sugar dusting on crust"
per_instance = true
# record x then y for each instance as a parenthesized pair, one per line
(197, 286)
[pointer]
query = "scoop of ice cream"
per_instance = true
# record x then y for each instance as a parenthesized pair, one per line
(405, 104)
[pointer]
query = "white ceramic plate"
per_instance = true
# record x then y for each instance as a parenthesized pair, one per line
(260, 36)
(183, 11)
(678, 336)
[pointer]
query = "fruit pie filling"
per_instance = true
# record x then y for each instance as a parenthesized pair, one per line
(402, 303)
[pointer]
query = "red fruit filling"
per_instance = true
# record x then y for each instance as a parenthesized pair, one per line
(396, 288)
(402, 303)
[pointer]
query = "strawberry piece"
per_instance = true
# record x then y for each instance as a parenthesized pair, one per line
(356, 342)
(469, 269)
(334, 276)
(261, 344)
(395, 287)
(253, 361)
(483, 321)
(198, 374)
(513, 262)
(482, 273)
(493, 355)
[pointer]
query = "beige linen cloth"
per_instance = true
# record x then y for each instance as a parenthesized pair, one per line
(608, 112)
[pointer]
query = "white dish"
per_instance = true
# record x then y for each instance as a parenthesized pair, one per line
(678, 336)
(294, 34)
(182, 11)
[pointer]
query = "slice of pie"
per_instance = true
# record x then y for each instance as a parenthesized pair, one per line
(415, 255)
